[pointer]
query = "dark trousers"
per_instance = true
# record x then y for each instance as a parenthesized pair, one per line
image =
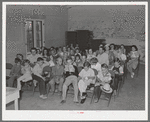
(116, 82)
(97, 91)
(42, 84)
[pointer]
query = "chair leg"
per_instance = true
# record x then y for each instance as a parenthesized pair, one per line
(118, 90)
(48, 88)
(92, 95)
(33, 88)
(114, 96)
(109, 100)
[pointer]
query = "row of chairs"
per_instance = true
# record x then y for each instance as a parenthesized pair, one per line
(9, 66)
(103, 95)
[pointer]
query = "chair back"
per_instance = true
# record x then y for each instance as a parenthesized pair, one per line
(9, 65)
(8, 68)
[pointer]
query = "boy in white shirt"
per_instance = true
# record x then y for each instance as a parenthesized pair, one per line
(86, 77)
(33, 57)
(95, 64)
(103, 77)
(37, 75)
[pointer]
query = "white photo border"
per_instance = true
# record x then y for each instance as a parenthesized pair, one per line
(71, 115)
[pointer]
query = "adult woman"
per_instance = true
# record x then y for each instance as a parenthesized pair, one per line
(121, 56)
(45, 53)
(60, 52)
(132, 64)
(123, 49)
(111, 56)
(90, 55)
(39, 52)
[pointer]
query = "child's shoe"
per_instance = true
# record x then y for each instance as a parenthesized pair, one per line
(44, 97)
(41, 96)
(83, 100)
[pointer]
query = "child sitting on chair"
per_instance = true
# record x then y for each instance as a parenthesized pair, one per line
(103, 77)
(51, 62)
(15, 72)
(86, 77)
(118, 70)
(26, 71)
(57, 76)
(78, 60)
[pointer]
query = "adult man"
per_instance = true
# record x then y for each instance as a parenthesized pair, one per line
(71, 74)
(103, 57)
(37, 75)
(33, 56)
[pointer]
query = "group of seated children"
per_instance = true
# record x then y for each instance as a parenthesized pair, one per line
(72, 67)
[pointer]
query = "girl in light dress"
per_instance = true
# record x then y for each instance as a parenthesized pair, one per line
(51, 62)
(26, 70)
(132, 64)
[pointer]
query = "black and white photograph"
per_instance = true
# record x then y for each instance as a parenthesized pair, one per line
(66, 59)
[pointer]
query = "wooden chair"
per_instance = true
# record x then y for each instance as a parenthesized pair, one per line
(8, 67)
(37, 86)
(89, 91)
(106, 96)
(120, 84)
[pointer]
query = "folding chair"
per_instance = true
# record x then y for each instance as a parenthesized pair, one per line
(89, 91)
(8, 67)
(108, 96)
(37, 86)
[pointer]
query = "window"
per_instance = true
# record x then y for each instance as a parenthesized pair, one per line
(34, 34)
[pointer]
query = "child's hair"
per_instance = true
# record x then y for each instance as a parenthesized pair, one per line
(104, 66)
(101, 47)
(38, 50)
(33, 49)
(69, 59)
(122, 45)
(19, 55)
(58, 59)
(84, 55)
(117, 60)
(86, 64)
(77, 49)
(77, 56)
(40, 59)
(134, 47)
(90, 49)
(94, 60)
(112, 44)
(17, 60)
(26, 61)
(44, 50)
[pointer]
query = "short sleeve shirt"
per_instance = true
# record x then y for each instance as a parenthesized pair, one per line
(89, 73)
(32, 58)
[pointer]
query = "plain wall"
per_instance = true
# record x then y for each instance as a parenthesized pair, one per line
(116, 24)
(55, 18)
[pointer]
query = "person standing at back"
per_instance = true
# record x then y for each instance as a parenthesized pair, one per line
(103, 57)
